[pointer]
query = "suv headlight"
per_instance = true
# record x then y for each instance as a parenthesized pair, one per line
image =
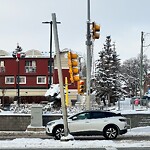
(123, 120)
(50, 123)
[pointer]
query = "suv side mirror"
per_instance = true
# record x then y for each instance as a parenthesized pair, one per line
(74, 118)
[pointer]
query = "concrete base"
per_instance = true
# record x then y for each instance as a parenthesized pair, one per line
(35, 129)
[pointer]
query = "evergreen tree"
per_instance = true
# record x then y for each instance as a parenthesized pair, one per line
(107, 73)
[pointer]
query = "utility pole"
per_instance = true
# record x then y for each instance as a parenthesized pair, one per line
(64, 110)
(88, 68)
(141, 66)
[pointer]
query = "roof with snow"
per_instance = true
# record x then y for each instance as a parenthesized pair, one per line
(34, 53)
(4, 53)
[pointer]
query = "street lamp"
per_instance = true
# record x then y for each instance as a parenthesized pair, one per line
(18, 54)
(50, 62)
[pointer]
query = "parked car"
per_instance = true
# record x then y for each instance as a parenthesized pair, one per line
(94, 122)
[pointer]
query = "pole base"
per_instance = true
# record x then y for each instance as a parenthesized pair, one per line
(67, 138)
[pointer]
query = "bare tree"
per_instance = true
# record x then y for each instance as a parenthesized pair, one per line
(130, 70)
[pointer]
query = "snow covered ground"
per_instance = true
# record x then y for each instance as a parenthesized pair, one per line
(125, 107)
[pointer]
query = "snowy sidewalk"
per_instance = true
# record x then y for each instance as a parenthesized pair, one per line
(22, 134)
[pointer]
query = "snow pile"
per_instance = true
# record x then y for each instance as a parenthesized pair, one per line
(124, 107)
(54, 89)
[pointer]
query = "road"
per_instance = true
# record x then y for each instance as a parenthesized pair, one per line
(109, 148)
(11, 136)
(120, 139)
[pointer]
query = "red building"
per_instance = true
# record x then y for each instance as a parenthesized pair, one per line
(34, 74)
(33, 71)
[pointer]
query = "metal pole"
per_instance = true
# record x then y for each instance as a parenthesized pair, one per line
(88, 70)
(66, 88)
(60, 74)
(18, 81)
(50, 61)
(50, 51)
(119, 104)
(18, 54)
(141, 67)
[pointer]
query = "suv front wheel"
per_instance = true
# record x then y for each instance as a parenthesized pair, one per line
(110, 132)
(58, 132)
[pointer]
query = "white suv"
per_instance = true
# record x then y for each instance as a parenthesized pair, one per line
(94, 122)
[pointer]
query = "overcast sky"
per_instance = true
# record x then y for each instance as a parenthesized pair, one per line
(21, 22)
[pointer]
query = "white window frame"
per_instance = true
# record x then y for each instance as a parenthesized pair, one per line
(2, 63)
(44, 77)
(22, 77)
(12, 77)
(30, 66)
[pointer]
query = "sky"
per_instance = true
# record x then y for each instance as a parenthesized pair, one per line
(21, 22)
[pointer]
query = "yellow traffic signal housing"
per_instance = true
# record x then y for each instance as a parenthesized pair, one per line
(73, 67)
(95, 29)
(81, 87)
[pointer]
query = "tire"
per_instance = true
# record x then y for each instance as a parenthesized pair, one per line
(110, 132)
(58, 132)
(48, 134)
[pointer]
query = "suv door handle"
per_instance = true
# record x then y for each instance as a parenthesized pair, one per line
(86, 121)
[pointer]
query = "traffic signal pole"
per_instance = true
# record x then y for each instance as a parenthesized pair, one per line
(141, 67)
(88, 70)
(64, 110)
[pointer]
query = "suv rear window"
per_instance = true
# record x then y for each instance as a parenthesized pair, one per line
(111, 114)
(96, 115)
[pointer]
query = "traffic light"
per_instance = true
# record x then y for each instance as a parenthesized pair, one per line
(95, 30)
(73, 67)
(81, 87)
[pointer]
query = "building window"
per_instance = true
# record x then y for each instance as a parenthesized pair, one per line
(2, 67)
(22, 80)
(30, 66)
(9, 80)
(41, 80)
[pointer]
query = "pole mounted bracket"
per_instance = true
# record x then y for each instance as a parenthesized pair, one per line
(88, 43)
